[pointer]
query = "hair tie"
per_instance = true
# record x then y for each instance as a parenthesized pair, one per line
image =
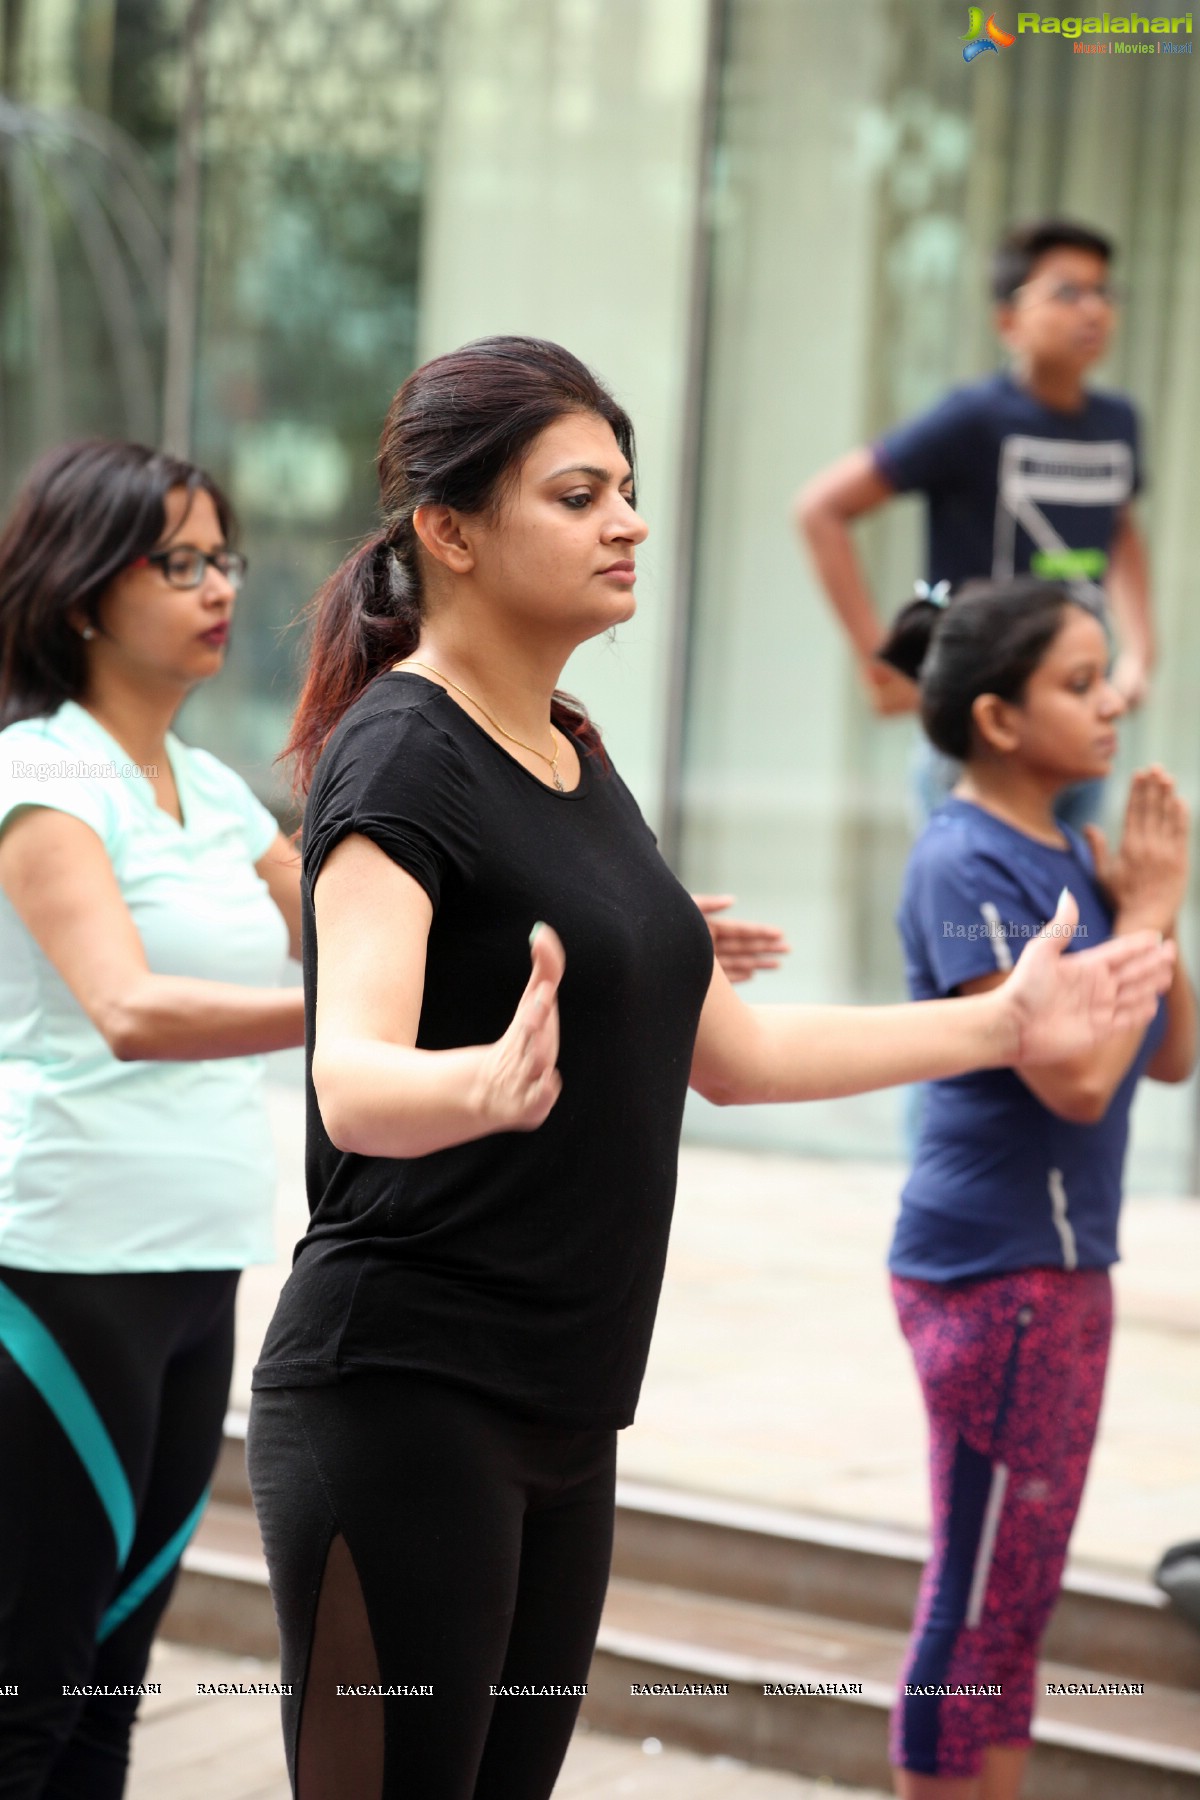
(937, 596)
(397, 574)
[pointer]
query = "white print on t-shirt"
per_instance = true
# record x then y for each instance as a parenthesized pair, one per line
(1063, 1226)
(1037, 472)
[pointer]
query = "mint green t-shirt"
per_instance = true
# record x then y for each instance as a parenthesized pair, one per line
(109, 1166)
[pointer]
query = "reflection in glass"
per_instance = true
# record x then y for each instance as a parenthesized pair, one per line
(861, 182)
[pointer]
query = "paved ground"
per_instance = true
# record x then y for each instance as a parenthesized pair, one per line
(200, 1747)
(778, 1373)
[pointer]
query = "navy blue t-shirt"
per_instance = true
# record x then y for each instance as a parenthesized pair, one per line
(1015, 486)
(999, 1182)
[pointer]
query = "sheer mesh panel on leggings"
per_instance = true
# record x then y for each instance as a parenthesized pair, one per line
(339, 1749)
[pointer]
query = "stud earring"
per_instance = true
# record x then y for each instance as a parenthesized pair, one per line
(87, 634)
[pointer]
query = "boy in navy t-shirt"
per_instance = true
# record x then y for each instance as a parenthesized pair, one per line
(1027, 471)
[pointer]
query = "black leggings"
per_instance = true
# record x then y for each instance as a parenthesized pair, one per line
(113, 1391)
(421, 1537)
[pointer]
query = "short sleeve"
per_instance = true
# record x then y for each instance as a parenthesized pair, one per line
(37, 769)
(929, 453)
(975, 917)
(397, 778)
(232, 792)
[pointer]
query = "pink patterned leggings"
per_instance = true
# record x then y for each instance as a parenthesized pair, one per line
(1012, 1371)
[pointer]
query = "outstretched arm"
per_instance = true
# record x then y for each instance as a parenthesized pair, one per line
(1051, 1008)
(1081, 1088)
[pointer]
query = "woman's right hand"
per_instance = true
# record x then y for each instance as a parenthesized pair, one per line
(520, 1081)
(1146, 879)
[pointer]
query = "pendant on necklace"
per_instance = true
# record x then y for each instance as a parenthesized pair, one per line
(557, 779)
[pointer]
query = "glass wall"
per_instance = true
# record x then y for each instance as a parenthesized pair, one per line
(331, 188)
(316, 120)
(85, 168)
(561, 204)
(237, 224)
(863, 174)
(214, 212)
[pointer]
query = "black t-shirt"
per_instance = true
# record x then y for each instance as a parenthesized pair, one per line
(525, 1264)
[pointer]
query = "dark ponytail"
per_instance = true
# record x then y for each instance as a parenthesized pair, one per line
(907, 643)
(362, 620)
(456, 433)
(988, 639)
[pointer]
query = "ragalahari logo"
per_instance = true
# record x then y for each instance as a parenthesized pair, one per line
(983, 37)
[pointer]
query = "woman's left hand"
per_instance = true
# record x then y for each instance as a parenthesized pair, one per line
(1062, 1006)
(741, 948)
(1146, 879)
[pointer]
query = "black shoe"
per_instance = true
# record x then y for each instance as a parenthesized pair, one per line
(1178, 1575)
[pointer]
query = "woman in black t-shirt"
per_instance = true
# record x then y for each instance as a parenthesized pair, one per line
(492, 1153)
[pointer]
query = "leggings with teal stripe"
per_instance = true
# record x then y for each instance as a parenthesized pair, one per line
(113, 1391)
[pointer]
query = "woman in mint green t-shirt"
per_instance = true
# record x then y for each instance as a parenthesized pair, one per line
(147, 905)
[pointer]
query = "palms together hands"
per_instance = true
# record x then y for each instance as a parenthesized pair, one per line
(1146, 878)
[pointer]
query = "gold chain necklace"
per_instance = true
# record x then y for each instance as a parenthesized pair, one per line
(413, 663)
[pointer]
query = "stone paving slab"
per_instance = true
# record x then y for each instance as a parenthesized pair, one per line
(778, 1373)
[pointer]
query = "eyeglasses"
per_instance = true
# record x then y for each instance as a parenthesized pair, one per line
(1070, 293)
(185, 567)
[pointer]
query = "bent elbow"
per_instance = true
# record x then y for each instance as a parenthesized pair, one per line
(807, 509)
(340, 1130)
(338, 1113)
(1085, 1106)
(125, 1032)
(1174, 1070)
(715, 1091)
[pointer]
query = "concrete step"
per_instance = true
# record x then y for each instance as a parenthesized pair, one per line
(1098, 1747)
(1109, 1620)
(706, 1593)
(1093, 1747)
(1106, 1619)
(221, 1599)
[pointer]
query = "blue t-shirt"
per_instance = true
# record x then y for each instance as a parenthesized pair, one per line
(1000, 1182)
(1015, 486)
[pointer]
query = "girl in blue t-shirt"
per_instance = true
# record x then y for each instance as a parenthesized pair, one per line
(1008, 1220)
